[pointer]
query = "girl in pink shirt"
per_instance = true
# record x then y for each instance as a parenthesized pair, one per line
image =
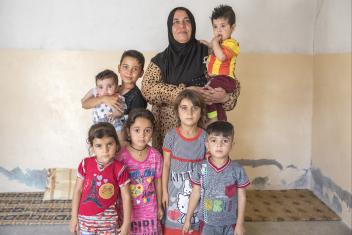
(144, 165)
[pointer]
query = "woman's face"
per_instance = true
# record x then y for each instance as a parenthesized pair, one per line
(181, 27)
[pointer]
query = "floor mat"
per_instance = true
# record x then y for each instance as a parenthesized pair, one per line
(262, 205)
(286, 205)
(29, 208)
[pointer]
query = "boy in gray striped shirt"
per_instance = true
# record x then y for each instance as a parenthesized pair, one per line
(219, 183)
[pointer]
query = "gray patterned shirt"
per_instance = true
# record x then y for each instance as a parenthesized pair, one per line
(219, 186)
(184, 153)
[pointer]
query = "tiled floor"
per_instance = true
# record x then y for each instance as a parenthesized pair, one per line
(252, 228)
(298, 228)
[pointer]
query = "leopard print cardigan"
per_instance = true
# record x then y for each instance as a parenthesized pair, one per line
(162, 97)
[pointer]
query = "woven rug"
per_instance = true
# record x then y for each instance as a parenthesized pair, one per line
(266, 205)
(286, 205)
(29, 208)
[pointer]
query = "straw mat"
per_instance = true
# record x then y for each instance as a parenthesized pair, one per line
(262, 205)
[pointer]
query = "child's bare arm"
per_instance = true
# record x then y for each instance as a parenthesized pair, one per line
(192, 205)
(87, 96)
(165, 179)
(239, 230)
(215, 42)
(126, 202)
(89, 101)
(158, 197)
(75, 205)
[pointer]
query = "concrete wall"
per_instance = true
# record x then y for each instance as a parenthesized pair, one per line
(50, 52)
(46, 126)
(54, 49)
(282, 27)
(273, 119)
(331, 125)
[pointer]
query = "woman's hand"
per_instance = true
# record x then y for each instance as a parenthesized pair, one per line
(214, 95)
(195, 88)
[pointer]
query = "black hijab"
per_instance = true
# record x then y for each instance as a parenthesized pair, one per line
(182, 62)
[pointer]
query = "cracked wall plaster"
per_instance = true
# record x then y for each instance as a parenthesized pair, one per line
(30, 178)
(320, 182)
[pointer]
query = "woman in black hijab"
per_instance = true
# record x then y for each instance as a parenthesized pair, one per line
(180, 66)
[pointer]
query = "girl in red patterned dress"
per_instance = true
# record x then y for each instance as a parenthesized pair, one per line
(101, 181)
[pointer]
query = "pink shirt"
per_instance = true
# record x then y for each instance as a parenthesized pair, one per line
(101, 188)
(143, 190)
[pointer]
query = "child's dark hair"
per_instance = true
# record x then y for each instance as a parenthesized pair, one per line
(100, 130)
(139, 113)
(196, 100)
(224, 11)
(134, 54)
(107, 73)
(223, 128)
